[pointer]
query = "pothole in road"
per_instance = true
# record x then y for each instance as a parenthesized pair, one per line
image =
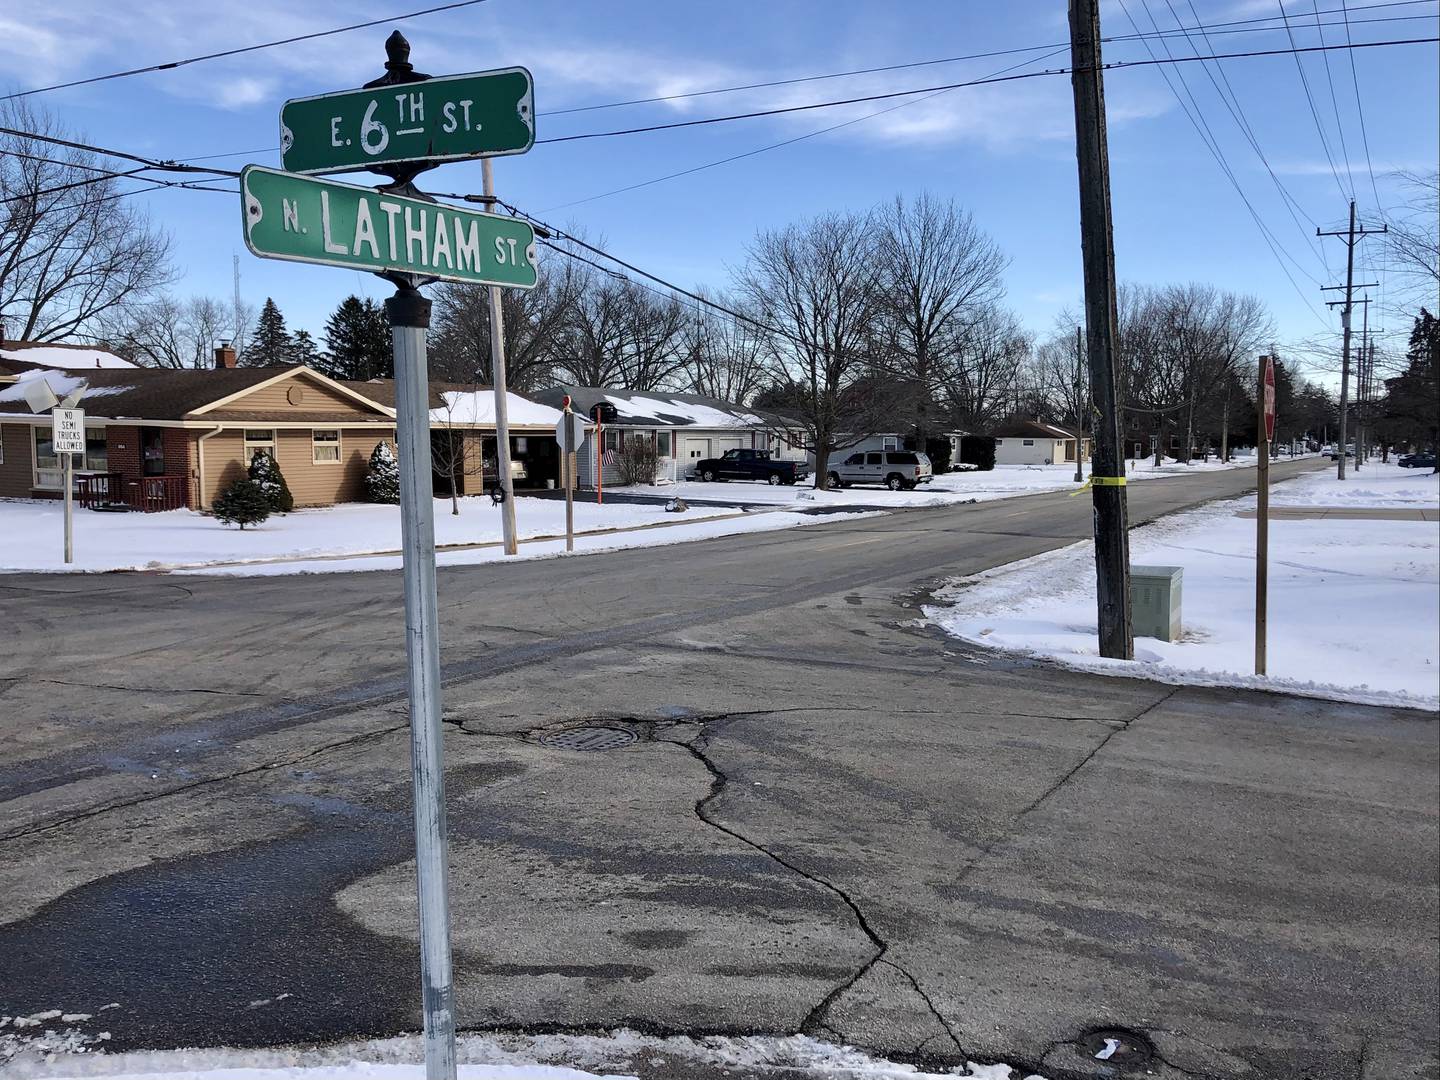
(589, 737)
(1117, 1047)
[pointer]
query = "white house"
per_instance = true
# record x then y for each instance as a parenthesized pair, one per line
(684, 428)
(1032, 442)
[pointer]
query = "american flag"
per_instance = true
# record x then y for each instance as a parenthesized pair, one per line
(610, 457)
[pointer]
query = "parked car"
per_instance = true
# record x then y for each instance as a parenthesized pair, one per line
(896, 469)
(750, 465)
(1423, 460)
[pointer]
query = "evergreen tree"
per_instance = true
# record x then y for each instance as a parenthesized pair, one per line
(271, 345)
(304, 350)
(1412, 399)
(357, 337)
(242, 503)
(382, 477)
(266, 473)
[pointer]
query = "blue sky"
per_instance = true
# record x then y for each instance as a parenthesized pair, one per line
(1004, 151)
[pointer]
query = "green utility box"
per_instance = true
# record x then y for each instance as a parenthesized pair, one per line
(1155, 601)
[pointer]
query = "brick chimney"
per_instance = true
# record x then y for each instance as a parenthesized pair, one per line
(224, 356)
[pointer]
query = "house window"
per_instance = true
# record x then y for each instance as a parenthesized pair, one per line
(1028, 442)
(49, 470)
(324, 446)
(259, 440)
(662, 443)
(890, 442)
(999, 441)
(612, 439)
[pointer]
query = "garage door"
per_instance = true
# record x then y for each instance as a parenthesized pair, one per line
(692, 449)
(727, 442)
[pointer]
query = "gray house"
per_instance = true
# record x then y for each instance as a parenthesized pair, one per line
(684, 428)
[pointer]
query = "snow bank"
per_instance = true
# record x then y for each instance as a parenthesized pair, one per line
(504, 1056)
(1352, 605)
(68, 359)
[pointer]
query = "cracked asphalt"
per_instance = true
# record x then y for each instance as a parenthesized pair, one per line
(833, 820)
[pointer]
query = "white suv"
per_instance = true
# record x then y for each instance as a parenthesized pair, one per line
(896, 469)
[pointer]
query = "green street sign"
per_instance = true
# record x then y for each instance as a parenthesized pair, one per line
(306, 220)
(485, 114)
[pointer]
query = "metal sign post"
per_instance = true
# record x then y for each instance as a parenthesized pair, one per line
(67, 437)
(502, 396)
(569, 433)
(401, 125)
(1266, 430)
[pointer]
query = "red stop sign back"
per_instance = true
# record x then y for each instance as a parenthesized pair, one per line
(1267, 383)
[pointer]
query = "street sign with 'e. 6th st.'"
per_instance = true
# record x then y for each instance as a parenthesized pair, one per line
(67, 431)
(486, 114)
(303, 219)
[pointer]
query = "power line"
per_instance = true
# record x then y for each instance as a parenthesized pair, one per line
(163, 165)
(1310, 98)
(785, 142)
(1335, 103)
(890, 95)
(1207, 136)
(171, 65)
(1360, 111)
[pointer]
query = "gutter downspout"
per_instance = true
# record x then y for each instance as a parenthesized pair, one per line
(200, 465)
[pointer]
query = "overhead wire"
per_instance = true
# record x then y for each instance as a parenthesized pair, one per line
(1335, 102)
(1197, 120)
(1360, 112)
(173, 64)
(1310, 99)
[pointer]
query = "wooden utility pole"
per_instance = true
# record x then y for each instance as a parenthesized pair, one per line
(1352, 237)
(1107, 469)
(1265, 431)
(1080, 401)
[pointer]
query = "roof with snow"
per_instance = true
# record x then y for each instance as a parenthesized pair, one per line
(468, 404)
(1033, 429)
(17, 356)
(660, 408)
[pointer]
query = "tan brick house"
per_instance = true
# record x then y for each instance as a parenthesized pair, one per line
(163, 439)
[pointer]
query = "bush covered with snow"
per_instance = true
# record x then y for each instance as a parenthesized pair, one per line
(382, 475)
(265, 472)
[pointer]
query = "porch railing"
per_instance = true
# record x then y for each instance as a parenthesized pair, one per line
(147, 494)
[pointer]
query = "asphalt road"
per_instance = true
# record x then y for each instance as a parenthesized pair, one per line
(832, 819)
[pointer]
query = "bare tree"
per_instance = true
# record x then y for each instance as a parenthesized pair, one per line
(939, 271)
(1060, 374)
(535, 324)
(814, 283)
(622, 334)
(70, 249)
(982, 385)
(1413, 241)
(167, 332)
(724, 356)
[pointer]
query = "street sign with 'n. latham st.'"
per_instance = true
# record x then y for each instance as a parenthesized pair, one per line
(303, 219)
(485, 114)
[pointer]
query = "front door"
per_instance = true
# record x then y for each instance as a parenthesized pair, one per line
(152, 451)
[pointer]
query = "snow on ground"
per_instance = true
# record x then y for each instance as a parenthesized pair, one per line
(1353, 612)
(947, 489)
(493, 1057)
(184, 539)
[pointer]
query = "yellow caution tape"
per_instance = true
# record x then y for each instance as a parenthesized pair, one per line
(1103, 481)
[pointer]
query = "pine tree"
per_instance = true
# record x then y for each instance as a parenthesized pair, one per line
(382, 477)
(1412, 399)
(266, 473)
(271, 345)
(304, 350)
(242, 503)
(357, 337)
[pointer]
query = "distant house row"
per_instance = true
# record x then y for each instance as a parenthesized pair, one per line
(161, 439)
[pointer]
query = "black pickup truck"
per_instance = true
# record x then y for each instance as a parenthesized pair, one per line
(750, 465)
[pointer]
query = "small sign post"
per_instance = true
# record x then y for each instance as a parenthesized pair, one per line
(569, 432)
(67, 437)
(1266, 431)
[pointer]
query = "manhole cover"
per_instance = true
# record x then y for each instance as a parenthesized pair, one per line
(589, 738)
(1125, 1049)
